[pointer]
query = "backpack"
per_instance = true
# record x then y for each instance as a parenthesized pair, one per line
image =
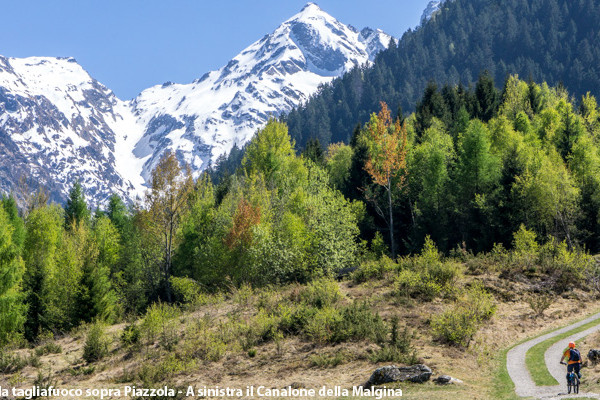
(575, 355)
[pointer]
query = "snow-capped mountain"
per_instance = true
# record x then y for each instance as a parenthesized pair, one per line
(59, 125)
(432, 8)
(203, 119)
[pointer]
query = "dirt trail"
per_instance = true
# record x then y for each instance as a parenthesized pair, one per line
(524, 385)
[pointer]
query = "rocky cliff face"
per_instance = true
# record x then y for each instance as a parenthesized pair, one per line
(59, 125)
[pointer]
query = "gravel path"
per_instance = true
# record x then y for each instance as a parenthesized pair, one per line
(524, 385)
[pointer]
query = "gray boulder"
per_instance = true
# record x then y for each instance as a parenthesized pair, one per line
(443, 379)
(446, 380)
(418, 373)
(594, 356)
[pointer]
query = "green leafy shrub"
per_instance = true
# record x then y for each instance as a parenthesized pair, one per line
(362, 323)
(567, 268)
(480, 302)
(457, 325)
(48, 348)
(242, 295)
(444, 274)
(10, 363)
(185, 290)
(378, 247)
(96, 343)
(293, 319)
(526, 251)
(326, 326)
(321, 293)
(131, 335)
(82, 370)
(410, 283)
(268, 299)
(426, 276)
(498, 259)
(327, 360)
(353, 322)
(157, 324)
(34, 360)
(202, 343)
(152, 373)
(373, 269)
(262, 328)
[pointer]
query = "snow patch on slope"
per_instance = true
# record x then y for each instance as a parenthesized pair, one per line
(59, 125)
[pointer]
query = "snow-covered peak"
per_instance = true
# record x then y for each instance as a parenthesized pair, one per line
(204, 119)
(62, 80)
(309, 8)
(433, 7)
(59, 125)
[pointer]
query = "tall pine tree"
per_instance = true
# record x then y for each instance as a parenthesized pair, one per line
(76, 210)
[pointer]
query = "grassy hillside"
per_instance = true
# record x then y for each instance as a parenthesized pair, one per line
(298, 334)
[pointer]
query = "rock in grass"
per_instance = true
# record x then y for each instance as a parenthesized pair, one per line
(418, 373)
(446, 380)
(594, 356)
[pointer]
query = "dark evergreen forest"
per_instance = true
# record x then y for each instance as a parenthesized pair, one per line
(553, 41)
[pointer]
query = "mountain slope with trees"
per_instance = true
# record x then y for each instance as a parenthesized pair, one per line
(473, 170)
(491, 200)
(550, 41)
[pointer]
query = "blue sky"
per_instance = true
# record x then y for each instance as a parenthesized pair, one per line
(130, 45)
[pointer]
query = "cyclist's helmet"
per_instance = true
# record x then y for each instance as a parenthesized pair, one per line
(571, 345)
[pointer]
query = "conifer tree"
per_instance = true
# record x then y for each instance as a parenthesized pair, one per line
(44, 230)
(486, 97)
(101, 252)
(76, 209)
(313, 151)
(117, 212)
(18, 225)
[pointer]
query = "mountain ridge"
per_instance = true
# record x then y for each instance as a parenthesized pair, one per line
(267, 78)
(58, 124)
(62, 120)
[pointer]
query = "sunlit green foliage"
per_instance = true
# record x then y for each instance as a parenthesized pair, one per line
(12, 308)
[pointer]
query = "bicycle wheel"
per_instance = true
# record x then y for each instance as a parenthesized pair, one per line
(576, 386)
(569, 384)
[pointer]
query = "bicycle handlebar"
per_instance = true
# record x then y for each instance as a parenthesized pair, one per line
(563, 363)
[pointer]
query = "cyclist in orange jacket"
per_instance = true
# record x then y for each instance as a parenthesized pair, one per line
(574, 357)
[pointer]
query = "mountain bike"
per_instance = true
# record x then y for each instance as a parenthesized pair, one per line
(572, 381)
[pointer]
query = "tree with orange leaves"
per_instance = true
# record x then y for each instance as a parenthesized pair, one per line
(386, 163)
(246, 216)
